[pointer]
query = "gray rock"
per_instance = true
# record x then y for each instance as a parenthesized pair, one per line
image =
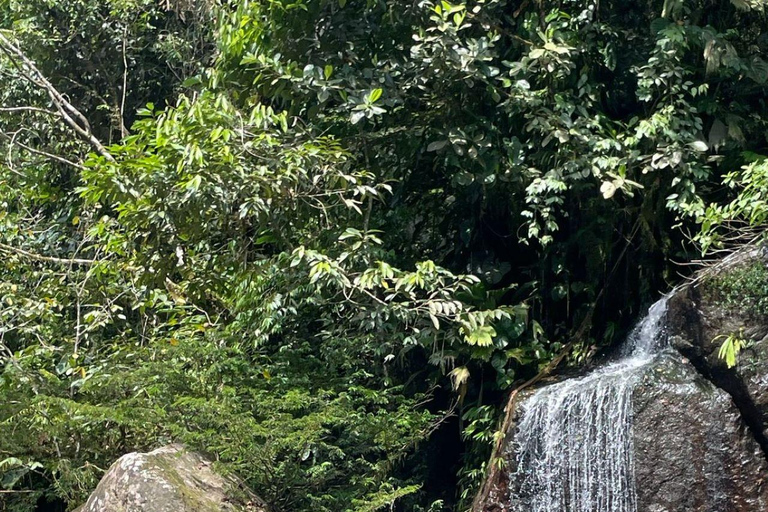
(169, 479)
(700, 429)
(693, 451)
(698, 324)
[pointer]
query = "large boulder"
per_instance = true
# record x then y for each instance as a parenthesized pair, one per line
(693, 451)
(703, 315)
(169, 479)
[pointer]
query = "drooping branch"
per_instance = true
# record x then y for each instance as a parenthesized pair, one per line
(51, 156)
(68, 112)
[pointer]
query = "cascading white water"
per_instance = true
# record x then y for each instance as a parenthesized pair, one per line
(573, 444)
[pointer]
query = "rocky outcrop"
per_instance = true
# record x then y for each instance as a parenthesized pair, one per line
(699, 321)
(700, 436)
(693, 451)
(169, 479)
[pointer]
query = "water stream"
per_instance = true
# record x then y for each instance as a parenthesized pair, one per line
(574, 440)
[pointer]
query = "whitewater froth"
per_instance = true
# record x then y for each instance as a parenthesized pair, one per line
(574, 440)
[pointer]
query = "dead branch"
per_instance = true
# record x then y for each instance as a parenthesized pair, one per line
(50, 259)
(71, 115)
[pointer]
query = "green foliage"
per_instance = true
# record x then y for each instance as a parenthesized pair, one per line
(747, 212)
(729, 350)
(303, 235)
(742, 289)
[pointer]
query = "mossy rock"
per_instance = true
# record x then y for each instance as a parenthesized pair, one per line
(729, 299)
(169, 479)
(740, 288)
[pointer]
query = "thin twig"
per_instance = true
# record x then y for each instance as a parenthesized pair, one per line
(29, 109)
(123, 130)
(52, 156)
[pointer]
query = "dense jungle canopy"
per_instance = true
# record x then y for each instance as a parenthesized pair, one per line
(322, 239)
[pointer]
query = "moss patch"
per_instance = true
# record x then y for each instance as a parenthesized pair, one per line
(194, 499)
(742, 289)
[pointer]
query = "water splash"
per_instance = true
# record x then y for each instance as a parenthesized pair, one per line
(574, 442)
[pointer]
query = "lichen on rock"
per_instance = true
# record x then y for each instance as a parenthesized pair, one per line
(169, 479)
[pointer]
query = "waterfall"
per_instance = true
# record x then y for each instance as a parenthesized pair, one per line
(573, 443)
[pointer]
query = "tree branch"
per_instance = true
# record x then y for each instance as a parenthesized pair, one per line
(29, 109)
(71, 115)
(52, 156)
(123, 130)
(50, 259)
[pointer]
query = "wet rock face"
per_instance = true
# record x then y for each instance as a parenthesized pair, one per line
(169, 479)
(699, 321)
(693, 451)
(699, 428)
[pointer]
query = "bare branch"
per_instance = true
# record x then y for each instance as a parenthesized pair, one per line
(50, 259)
(123, 130)
(46, 154)
(71, 115)
(29, 109)
(51, 156)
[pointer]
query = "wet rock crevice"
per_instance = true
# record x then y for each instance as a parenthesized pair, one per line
(698, 322)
